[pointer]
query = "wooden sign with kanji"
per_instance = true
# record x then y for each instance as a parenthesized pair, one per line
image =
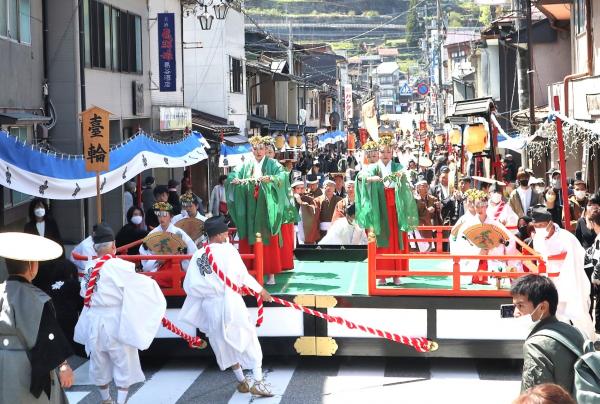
(96, 136)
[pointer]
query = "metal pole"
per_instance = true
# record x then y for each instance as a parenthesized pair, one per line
(530, 72)
(521, 68)
(563, 167)
(439, 57)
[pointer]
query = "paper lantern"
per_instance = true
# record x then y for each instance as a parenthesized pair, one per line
(279, 142)
(299, 140)
(454, 136)
(292, 141)
(440, 139)
(351, 141)
(476, 138)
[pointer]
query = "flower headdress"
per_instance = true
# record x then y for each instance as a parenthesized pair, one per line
(162, 207)
(475, 195)
(255, 140)
(369, 146)
(386, 141)
(187, 198)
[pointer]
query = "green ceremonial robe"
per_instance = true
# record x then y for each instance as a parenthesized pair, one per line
(371, 209)
(263, 214)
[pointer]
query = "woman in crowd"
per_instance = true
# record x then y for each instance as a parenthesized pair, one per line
(134, 230)
(41, 222)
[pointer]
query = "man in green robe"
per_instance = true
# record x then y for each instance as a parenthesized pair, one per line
(33, 348)
(256, 194)
(385, 205)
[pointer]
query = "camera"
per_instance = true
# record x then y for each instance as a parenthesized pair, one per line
(507, 311)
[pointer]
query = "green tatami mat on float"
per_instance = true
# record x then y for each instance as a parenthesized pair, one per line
(350, 278)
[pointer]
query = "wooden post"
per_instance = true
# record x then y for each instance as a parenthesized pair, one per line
(371, 263)
(259, 259)
(563, 167)
(455, 273)
(98, 198)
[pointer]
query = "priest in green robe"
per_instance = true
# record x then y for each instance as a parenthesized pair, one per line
(256, 194)
(386, 206)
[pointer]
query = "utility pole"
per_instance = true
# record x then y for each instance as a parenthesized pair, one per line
(440, 66)
(530, 72)
(522, 66)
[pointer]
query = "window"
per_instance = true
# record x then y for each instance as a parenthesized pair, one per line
(113, 38)
(235, 75)
(579, 16)
(15, 20)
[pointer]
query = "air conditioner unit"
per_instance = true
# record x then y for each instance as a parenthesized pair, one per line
(261, 110)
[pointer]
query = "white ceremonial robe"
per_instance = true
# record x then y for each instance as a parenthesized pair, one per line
(461, 246)
(343, 233)
(86, 248)
(152, 265)
(218, 311)
(184, 215)
(572, 283)
(125, 313)
(508, 218)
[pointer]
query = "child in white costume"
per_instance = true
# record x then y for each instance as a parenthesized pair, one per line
(110, 325)
(219, 312)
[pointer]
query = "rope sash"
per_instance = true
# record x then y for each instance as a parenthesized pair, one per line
(420, 344)
(193, 342)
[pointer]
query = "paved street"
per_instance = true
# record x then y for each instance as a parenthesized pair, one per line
(324, 380)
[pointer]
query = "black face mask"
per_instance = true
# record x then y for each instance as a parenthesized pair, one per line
(524, 183)
(523, 231)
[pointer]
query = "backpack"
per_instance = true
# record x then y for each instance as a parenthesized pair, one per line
(586, 381)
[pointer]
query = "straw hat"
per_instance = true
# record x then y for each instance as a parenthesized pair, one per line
(28, 247)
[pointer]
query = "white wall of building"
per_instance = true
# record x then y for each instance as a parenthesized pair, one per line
(206, 67)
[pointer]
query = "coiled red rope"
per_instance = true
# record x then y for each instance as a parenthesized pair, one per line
(193, 342)
(420, 344)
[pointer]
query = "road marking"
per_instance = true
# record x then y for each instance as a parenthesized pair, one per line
(82, 375)
(278, 378)
(76, 396)
(168, 384)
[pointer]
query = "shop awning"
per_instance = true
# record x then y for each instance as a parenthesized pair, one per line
(12, 118)
(235, 139)
(211, 125)
(268, 123)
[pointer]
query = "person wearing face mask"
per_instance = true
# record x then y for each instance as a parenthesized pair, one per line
(592, 261)
(556, 185)
(498, 209)
(41, 223)
(524, 231)
(585, 234)
(553, 207)
(578, 201)
(545, 360)
(523, 198)
(572, 284)
(132, 231)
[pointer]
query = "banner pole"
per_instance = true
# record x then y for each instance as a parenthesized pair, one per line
(98, 200)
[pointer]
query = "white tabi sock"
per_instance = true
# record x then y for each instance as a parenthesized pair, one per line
(257, 373)
(122, 396)
(105, 394)
(239, 374)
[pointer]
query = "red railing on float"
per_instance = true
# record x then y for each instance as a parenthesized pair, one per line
(170, 275)
(528, 257)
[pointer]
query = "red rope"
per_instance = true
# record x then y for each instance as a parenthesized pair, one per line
(421, 344)
(499, 210)
(194, 342)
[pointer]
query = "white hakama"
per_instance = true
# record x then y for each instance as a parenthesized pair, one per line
(218, 311)
(125, 313)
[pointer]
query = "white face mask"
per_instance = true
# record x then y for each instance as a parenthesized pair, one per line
(496, 198)
(541, 234)
(526, 321)
(136, 219)
(556, 184)
(580, 194)
(39, 212)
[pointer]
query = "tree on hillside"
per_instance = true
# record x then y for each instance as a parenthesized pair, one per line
(412, 25)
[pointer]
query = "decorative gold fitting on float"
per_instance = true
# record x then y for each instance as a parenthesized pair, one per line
(325, 302)
(316, 346)
(258, 237)
(305, 300)
(372, 236)
(432, 346)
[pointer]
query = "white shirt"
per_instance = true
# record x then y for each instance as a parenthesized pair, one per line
(257, 172)
(151, 265)
(184, 215)
(525, 196)
(343, 233)
(41, 227)
(85, 248)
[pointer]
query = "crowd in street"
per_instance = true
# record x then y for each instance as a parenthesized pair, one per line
(335, 196)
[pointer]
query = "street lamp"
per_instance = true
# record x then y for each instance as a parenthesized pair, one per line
(221, 10)
(205, 20)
